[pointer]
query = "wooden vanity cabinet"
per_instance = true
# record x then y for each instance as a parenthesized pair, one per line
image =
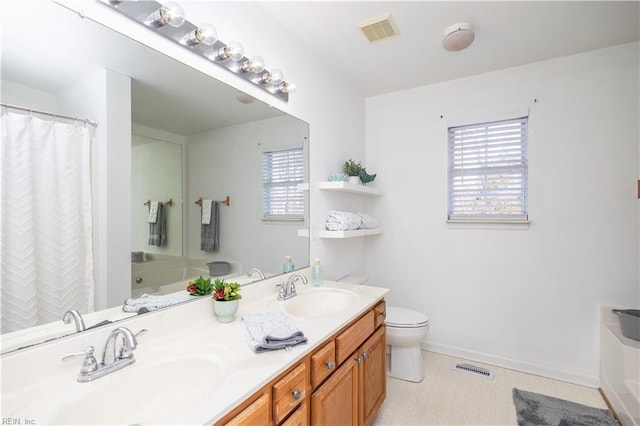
(353, 394)
(343, 382)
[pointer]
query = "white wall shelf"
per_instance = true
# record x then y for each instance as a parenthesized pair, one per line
(352, 188)
(349, 234)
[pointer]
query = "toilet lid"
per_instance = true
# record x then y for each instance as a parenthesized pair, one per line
(403, 317)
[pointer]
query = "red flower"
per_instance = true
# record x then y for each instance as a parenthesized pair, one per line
(192, 288)
(219, 294)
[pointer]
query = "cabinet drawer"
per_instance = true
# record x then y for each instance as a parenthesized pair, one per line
(323, 363)
(289, 392)
(380, 311)
(349, 340)
(298, 418)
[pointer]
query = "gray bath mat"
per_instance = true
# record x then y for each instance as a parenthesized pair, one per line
(534, 409)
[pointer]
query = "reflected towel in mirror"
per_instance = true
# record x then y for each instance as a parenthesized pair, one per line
(209, 233)
(158, 230)
(154, 301)
(271, 330)
(153, 212)
(206, 211)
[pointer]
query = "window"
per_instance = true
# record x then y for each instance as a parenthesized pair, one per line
(488, 171)
(282, 171)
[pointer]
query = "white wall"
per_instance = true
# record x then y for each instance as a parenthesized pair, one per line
(228, 162)
(521, 298)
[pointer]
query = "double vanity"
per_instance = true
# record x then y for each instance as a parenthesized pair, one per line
(191, 369)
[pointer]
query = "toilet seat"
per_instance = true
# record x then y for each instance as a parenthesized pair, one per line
(405, 318)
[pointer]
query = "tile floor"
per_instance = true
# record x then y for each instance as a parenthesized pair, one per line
(450, 397)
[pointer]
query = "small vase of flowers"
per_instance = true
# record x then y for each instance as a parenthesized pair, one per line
(226, 298)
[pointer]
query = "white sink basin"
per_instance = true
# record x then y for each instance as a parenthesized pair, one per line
(130, 395)
(319, 302)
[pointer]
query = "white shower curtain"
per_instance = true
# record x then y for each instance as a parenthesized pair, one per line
(47, 257)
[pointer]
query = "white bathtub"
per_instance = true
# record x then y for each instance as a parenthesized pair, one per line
(164, 275)
(619, 368)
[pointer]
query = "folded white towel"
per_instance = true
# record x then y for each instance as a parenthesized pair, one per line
(368, 221)
(153, 212)
(206, 211)
(342, 221)
(155, 301)
(271, 330)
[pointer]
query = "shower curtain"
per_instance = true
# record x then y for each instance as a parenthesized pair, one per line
(46, 229)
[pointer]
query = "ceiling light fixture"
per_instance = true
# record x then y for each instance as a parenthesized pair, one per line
(458, 37)
(168, 20)
(244, 98)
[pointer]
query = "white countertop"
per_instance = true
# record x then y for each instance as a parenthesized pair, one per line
(210, 359)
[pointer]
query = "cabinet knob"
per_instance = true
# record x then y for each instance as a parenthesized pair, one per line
(384, 314)
(359, 359)
(365, 355)
(330, 365)
(296, 394)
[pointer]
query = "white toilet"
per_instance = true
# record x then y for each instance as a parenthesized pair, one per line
(405, 330)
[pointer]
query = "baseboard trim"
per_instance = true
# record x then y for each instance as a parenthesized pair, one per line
(513, 364)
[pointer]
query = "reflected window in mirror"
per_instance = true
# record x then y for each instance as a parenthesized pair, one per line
(282, 172)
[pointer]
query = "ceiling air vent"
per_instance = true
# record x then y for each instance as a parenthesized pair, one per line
(379, 28)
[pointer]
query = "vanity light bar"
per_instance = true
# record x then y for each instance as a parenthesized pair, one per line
(141, 11)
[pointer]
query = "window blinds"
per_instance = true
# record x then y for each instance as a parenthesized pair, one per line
(282, 171)
(488, 170)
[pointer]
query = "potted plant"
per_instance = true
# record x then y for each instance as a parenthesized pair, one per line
(352, 169)
(226, 298)
(200, 286)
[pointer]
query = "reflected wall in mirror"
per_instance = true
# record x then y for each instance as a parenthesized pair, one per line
(221, 143)
(156, 176)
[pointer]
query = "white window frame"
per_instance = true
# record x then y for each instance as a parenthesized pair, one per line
(281, 198)
(481, 156)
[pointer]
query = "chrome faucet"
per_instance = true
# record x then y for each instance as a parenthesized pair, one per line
(257, 271)
(73, 315)
(111, 362)
(288, 289)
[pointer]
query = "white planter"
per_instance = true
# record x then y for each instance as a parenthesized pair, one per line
(354, 179)
(225, 310)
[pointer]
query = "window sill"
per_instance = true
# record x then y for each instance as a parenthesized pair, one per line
(488, 224)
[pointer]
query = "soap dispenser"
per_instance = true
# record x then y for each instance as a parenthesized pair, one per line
(288, 265)
(317, 277)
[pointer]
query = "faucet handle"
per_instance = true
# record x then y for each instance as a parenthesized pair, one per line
(89, 363)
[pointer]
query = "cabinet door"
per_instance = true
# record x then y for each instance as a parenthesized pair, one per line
(255, 414)
(373, 377)
(336, 401)
(298, 418)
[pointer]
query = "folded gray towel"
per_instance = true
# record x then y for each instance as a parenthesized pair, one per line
(158, 230)
(271, 330)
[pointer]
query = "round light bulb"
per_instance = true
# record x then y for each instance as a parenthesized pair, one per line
(277, 77)
(206, 34)
(234, 51)
(257, 64)
(170, 13)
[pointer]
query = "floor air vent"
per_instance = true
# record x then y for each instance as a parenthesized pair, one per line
(472, 369)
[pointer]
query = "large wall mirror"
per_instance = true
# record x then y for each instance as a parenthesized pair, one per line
(192, 137)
